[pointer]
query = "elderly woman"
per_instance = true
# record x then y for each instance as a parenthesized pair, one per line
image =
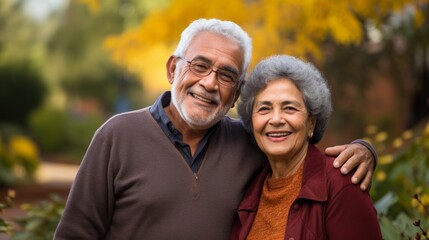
(286, 104)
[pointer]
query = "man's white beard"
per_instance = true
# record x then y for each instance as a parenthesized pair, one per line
(196, 121)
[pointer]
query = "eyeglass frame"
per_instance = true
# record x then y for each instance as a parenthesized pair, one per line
(210, 70)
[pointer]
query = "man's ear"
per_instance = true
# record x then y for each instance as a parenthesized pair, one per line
(171, 67)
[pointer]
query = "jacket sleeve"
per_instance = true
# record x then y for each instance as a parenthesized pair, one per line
(91, 200)
(370, 148)
(350, 214)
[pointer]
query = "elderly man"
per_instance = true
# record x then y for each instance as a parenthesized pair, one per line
(178, 169)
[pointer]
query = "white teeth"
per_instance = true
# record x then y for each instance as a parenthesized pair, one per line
(201, 98)
(277, 134)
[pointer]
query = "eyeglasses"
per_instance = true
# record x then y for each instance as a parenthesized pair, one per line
(202, 69)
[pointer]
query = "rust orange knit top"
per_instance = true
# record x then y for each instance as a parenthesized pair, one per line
(273, 210)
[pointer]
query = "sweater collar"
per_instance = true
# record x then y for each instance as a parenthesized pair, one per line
(313, 181)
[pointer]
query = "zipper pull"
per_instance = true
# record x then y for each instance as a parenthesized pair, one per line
(195, 187)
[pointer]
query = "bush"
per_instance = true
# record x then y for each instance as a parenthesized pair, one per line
(5, 227)
(58, 132)
(80, 130)
(401, 185)
(49, 129)
(39, 222)
(22, 90)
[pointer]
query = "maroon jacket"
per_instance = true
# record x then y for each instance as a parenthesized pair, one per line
(328, 205)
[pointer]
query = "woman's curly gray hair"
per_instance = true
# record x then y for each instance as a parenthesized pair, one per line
(304, 75)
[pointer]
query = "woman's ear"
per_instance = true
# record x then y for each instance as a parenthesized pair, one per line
(313, 122)
(171, 67)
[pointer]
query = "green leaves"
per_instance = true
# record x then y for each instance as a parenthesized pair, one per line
(41, 220)
(402, 196)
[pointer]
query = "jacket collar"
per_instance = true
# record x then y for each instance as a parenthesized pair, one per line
(314, 176)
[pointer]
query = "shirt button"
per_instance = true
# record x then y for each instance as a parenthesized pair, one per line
(291, 238)
(295, 206)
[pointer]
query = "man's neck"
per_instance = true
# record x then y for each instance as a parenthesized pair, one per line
(191, 136)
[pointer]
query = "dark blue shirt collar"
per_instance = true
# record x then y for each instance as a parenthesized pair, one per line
(157, 111)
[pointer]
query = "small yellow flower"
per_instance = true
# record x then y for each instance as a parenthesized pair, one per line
(407, 134)
(23, 146)
(368, 140)
(426, 131)
(381, 137)
(419, 189)
(381, 176)
(385, 159)
(414, 202)
(424, 200)
(371, 129)
(397, 143)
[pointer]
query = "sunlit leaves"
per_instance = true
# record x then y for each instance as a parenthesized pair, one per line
(93, 5)
(298, 28)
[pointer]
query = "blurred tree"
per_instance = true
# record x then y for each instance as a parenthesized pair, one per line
(132, 13)
(278, 26)
(22, 86)
(388, 70)
(17, 32)
(83, 67)
(415, 47)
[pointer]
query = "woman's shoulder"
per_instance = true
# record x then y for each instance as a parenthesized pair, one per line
(337, 181)
(340, 185)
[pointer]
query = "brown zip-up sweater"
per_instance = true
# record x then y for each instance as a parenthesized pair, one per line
(134, 184)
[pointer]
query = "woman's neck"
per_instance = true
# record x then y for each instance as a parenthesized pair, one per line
(287, 165)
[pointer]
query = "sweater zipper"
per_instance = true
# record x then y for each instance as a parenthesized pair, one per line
(195, 187)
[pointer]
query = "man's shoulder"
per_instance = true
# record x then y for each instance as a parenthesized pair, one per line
(233, 126)
(125, 119)
(232, 122)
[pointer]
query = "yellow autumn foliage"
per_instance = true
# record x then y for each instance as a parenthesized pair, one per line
(424, 202)
(93, 5)
(23, 146)
(380, 176)
(385, 159)
(19, 159)
(381, 137)
(426, 131)
(275, 26)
